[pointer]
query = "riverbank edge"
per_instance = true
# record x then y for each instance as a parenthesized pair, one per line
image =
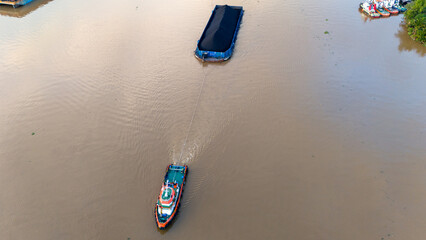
(415, 21)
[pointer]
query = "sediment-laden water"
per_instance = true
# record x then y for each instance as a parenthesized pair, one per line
(301, 135)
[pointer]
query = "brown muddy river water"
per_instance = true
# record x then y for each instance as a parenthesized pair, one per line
(301, 135)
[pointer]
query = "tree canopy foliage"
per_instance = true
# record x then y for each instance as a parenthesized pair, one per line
(415, 17)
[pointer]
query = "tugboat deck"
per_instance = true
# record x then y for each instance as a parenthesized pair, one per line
(175, 173)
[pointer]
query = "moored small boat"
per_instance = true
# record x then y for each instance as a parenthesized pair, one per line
(218, 39)
(381, 10)
(388, 5)
(392, 10)
(405, 2)
(369, 8)
(399, 6)
(170, 195)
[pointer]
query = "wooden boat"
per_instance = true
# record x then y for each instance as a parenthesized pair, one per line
(369, 9)
(405, 2)
(380, 9)
(383, 12)
(399, 6)
(388, 6)
(392, 10)
(170, 195)
(15, 3)
(218, 39)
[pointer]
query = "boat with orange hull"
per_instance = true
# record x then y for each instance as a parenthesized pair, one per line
(383, 12)
(389, 5)
(392, 10)
(168, 201)
(380, 8)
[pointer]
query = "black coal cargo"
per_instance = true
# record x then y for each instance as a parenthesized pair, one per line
(219, 32)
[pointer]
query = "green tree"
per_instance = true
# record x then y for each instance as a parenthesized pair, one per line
(415, 17)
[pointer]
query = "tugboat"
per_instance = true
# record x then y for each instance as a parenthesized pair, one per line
(171, 192)
(369, 8)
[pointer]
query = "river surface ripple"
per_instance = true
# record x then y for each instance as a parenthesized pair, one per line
(301, 135)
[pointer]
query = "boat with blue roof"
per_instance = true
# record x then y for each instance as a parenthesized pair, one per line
(218, 39)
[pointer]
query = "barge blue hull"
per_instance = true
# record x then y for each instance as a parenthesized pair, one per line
(17, 3)
(212, 55)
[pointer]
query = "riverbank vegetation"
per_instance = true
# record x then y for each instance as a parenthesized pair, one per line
(415, 18)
